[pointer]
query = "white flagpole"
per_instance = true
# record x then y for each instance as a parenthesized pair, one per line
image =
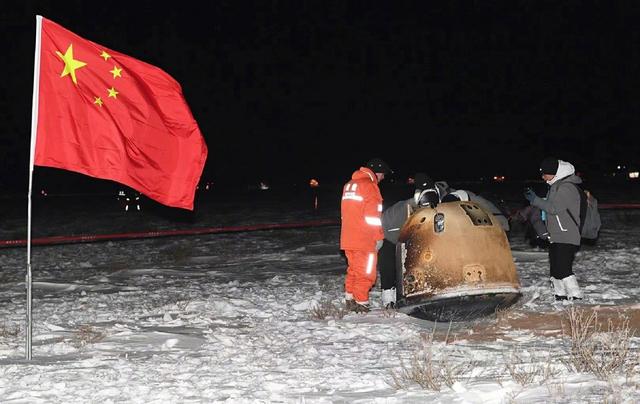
(34, 131)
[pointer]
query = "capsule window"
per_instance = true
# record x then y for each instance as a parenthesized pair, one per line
(438, 222)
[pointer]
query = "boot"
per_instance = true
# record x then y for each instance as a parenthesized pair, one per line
(389, 298)
(559, 289)
(572, 288)
(361, 307)
(350, 305)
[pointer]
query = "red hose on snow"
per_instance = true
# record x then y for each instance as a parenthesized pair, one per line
(90, 238)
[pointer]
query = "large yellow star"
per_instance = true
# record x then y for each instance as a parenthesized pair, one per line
(112, 92)
(70, 64)
(116, 72)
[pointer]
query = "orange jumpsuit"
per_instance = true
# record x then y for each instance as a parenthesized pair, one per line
(361, 211)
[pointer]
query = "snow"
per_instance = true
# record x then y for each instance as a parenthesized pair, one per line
(228, 318)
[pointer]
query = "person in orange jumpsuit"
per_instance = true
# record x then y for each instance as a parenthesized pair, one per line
(361, 233)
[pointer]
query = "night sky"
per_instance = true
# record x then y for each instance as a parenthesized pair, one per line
(289, 90)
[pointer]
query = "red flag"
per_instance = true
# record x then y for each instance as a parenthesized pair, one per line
(110, 116)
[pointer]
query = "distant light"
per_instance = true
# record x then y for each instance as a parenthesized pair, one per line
(43, 192)
(128, 199)
(264, 186)
(499, 178)
(634, 174)
(411, 181)
(313, 183)
(619, 167)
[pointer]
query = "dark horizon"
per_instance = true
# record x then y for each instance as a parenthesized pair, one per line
(286, 91)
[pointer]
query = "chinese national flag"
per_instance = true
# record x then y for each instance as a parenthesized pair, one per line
(110, 116)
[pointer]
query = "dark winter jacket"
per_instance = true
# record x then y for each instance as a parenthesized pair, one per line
(394, 217)
(562, 206)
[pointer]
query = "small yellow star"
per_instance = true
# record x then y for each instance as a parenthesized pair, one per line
(105, 55)
(98, 101)
(112, 92)
(70, 64)
(116, 72)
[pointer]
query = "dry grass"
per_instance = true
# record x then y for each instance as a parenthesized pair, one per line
(596, 348)
(597, 342)
(556, 388)
(527, 372)
(429, 372)
(178, 302)
(9, 331)
(389, 312)
(182, 304)
(86, 335)
(504, 314)
(327, 309)
(422, 370)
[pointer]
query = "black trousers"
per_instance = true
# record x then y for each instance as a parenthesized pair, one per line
(387, 265)
(561, 259)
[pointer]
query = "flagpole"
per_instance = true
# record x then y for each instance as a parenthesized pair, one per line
(34, 131)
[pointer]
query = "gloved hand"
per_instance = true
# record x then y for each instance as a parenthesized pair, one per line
(379, 244)
(530, 195)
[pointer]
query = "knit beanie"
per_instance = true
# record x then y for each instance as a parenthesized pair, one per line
(549, 166)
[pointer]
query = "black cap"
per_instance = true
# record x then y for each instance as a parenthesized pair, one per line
(549, 166)
(379, 166)
(423, 181)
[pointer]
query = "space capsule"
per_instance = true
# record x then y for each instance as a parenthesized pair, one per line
(454, 263)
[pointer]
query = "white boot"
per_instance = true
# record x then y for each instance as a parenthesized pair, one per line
(559, 289)
(572, 287)
(389, 297)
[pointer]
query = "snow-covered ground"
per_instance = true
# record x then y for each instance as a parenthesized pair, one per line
(229, 318)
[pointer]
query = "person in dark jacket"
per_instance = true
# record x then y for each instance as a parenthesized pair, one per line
(393, 218)
(562, 208)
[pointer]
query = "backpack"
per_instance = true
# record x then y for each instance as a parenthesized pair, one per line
(589, 216)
